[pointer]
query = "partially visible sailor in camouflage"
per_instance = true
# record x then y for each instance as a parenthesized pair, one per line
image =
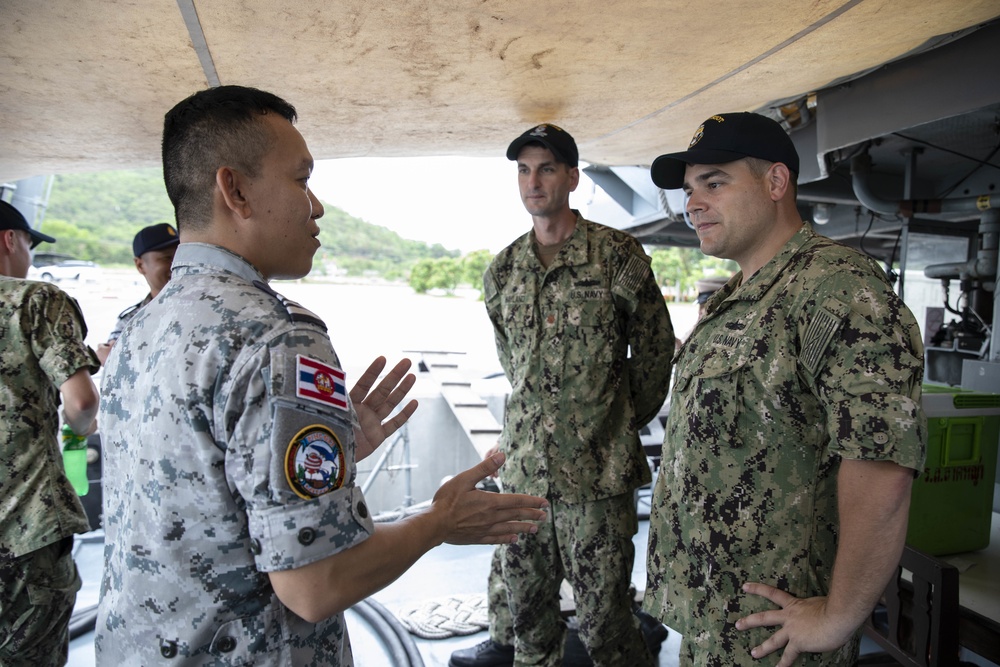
(795, 427)
(153, 249)
(235, 533)
(584, 336)
(42, 357)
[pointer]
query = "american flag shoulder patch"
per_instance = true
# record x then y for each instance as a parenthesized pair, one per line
(631, 277)
(826, 322)
(316, 381)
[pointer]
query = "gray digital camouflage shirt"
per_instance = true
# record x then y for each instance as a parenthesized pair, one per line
(126, 316)
(229, 444)
(41, 345)
(812, 360)
(587, 347)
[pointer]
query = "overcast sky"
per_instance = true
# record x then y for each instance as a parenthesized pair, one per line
(462, 203)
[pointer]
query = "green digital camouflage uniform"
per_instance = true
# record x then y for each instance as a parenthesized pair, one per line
(578, 397)
(812, 360)
(42, 333)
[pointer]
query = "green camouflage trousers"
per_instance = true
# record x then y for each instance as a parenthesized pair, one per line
(37, 594)
(497, 609)
(590, 545)
(703, 651)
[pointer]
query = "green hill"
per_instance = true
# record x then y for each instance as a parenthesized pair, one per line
(95, 215)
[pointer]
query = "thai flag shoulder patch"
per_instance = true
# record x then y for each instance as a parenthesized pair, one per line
(319, 382)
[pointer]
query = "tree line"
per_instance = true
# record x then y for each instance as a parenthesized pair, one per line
(676, 270)
(94, 216)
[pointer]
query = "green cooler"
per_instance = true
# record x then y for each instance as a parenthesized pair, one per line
(952, 501)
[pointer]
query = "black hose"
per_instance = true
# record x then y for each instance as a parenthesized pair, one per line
(82, 621)
(412, 652)
(389, 640)
(395, 639)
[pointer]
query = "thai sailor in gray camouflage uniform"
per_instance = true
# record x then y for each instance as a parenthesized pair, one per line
(795, 428)
(153, 249)
(42, 356)
(584, 337)
(235, 533)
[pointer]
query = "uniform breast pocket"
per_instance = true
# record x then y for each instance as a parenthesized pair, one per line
(520, 323)
(592, 323)
(714, 398)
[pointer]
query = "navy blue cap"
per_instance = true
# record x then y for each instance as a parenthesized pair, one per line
(726, 138)
(154, 237)
(11, 218)
(552, 137)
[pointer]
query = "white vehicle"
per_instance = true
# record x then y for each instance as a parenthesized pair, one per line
(70, 269)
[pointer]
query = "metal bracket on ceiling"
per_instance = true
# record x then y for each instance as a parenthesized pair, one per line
(198, 41)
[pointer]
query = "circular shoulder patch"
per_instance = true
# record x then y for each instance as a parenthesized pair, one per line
(314, 462)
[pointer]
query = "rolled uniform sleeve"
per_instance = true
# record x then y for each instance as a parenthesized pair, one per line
(297, 466)
(60, 330)
(863, 349)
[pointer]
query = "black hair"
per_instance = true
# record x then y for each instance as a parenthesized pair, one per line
(214, 128)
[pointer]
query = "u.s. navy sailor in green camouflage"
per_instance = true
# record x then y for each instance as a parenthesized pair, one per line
(794, 429)
(571, 425)
(814, 360)
(563, 338)
(583, 335)
(43, 333)
(202, 452)
(42, 354)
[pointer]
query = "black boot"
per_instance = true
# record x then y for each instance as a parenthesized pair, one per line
(653, 631)
(485, 654)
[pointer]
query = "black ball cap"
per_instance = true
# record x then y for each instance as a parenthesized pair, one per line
(552, 137)
(725, 138)
(11, 218)
(154, 237)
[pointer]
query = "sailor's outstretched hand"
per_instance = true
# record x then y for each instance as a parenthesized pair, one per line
(471, 516)
(374, 405)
